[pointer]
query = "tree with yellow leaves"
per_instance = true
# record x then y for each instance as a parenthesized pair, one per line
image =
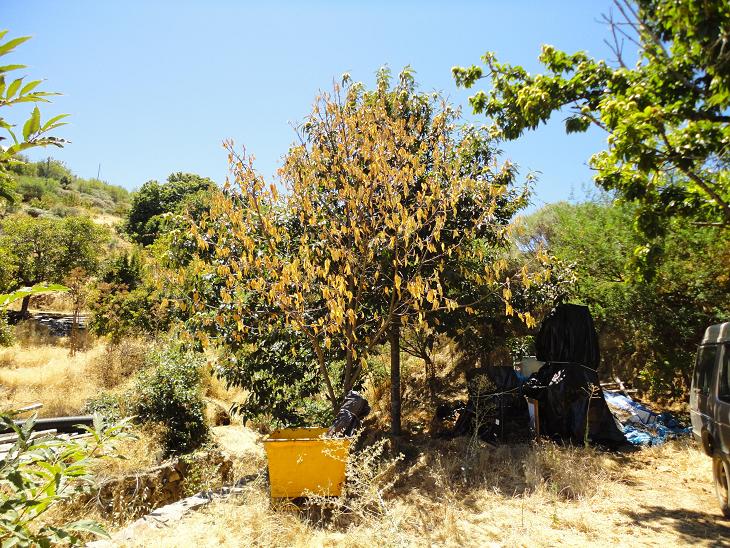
(389, 205)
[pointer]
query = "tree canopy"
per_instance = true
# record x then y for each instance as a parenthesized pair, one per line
(386, 192)
(666, 115)
(46, 250)
(648, 328)
(154, 202)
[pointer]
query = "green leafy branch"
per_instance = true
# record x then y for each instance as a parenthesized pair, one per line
(8, 298)
(39, 472)
(35, 132)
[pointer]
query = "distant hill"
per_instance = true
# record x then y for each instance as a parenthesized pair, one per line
(49, 188)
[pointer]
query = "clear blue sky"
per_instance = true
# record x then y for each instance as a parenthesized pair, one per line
(154, 87)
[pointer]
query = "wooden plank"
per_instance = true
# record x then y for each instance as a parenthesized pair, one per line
(76, 436)
(620, 384)
(5, 438)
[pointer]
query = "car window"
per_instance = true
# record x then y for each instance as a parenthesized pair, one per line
(723, 390)
(704, 367)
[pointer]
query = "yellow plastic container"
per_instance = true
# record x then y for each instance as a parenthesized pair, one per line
(302, 462)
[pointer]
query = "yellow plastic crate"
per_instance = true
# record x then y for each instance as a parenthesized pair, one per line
(302, 462)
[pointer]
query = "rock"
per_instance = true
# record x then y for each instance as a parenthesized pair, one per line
(132, 496)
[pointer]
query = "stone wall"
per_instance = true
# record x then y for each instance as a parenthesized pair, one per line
(129, 497)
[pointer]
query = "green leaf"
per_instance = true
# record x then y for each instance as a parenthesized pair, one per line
(88, 526)
(33, 124)
(33, 98)
(13, 88)
(7, 47)
(30, 86)
(52, 123)
(8, 68)
(7, 298)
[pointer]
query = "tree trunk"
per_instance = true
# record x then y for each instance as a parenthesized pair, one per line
(430, 368)
(431, 378)
(74, 332)
(24, 306)
(395, 401)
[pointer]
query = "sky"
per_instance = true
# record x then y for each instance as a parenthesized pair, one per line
(155, 87)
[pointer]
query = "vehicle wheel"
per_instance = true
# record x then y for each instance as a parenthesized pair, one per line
(721, 474)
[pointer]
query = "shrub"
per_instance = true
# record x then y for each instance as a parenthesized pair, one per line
(169, 392)
(120, 362)
(118, 312)
(106, 405)
(34, 188)
(7, 332)
(30, 333)
(38, 473)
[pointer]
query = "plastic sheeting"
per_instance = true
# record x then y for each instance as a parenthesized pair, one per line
(495, 409)
(641, 425)
(568, 335)
(354, 409)
(571, 405)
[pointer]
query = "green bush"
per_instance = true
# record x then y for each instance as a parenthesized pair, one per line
(119, 313)
(35, 188)
(106, 405)
(7, 331)
(169, 392)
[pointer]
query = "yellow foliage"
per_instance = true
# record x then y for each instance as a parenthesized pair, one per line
(376, 196)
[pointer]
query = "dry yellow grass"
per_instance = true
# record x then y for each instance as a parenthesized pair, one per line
(47, 374)
(453, 495)
(445, 493)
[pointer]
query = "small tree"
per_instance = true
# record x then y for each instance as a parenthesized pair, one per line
(77, 283)
(386, 195)
(126, 300)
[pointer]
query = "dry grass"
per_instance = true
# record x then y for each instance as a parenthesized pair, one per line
(118, 363)
(510, 496)
(140, 453)
(46, 373)
(443, 493)
(49, 375)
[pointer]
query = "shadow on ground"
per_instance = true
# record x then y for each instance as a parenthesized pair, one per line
(691, 526)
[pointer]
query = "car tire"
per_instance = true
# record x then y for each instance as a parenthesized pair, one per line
(721, 475)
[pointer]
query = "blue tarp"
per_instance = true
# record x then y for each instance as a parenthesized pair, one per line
(641, 425)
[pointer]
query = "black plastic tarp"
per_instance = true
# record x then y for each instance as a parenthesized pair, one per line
(496, 408)
(571, 405)
(354, 409)
(568, 335)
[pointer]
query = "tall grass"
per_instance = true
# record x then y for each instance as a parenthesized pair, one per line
(541, 495)
(48, 375)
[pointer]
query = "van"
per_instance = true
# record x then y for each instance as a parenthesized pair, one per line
(709, 403)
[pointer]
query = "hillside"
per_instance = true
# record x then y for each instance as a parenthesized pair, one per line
(48, 188)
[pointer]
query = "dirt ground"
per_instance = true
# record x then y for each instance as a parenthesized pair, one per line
(456, 493)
